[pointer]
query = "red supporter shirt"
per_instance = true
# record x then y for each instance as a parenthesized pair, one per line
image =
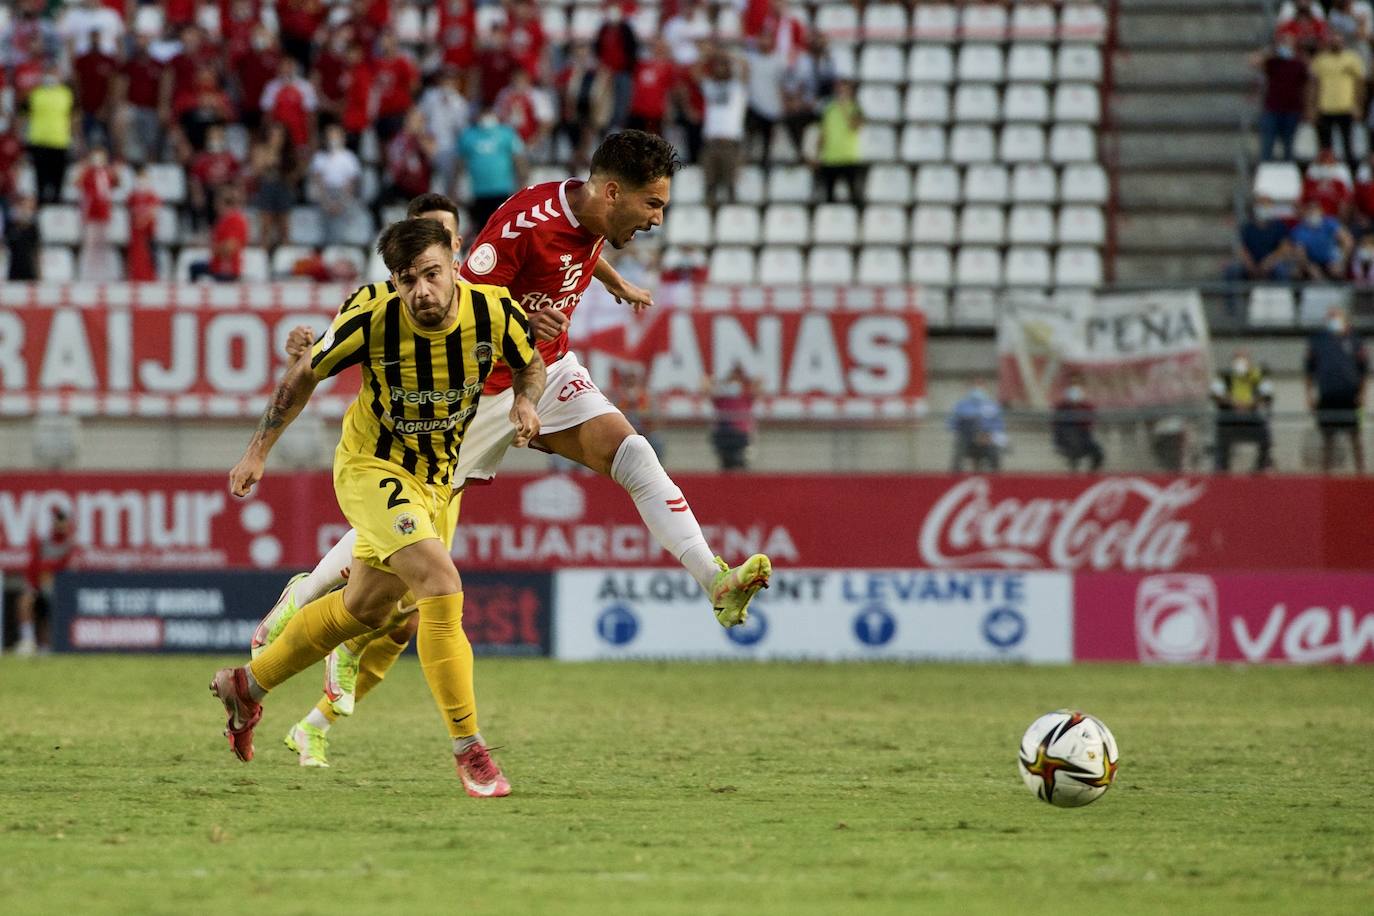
(94, 73)
(236, 21)
(289, 109)
(1306, 32)
(536, 248)
(613, 48)
(179, 12)
(397, 78)
(378, 13)
(144, 75)
(458, 32)
(653, 80)
(255, 69)
(527, 45)
(214, 169)
(48, 556)
(27, 75)
(495, 68)
(183, 68)
(331, 72)
(11, 152)
(97, 193)
(1331, 191)
(357, 114)
(232, 226)
(300, 18)
(517, 110)
(407, 165)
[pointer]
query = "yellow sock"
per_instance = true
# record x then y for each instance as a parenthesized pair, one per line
(399, 613)
(315, 630)
(446, 659)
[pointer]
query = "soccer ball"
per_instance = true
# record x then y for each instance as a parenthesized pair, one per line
(1068, 758)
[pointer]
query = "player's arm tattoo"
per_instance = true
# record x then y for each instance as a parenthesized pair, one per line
(530, 380)
(290, 396)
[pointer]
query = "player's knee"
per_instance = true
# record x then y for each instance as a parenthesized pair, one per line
(636, 463)
(406, 631)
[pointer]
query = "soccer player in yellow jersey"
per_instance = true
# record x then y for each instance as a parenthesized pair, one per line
(426, 344)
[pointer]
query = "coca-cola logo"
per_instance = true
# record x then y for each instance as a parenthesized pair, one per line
(1124, 523)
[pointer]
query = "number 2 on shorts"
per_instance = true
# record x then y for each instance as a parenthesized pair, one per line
(395, 499)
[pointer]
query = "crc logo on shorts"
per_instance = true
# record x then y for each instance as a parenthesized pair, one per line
(482, 259)
(482, 353)
(405, 524)
(1176, 618)
(579, 384)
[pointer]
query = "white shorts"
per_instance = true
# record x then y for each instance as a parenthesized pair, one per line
(570, 399)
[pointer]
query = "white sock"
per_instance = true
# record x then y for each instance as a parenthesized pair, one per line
(27, 632)
(328, 574)
(317, 719)
(663, 507)
(462, 744)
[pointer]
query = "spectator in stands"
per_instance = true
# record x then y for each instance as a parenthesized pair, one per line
(1336, 368)
(11, 156)
(1327, 182)
(447, 114)
(1244, 397)
(297, 23)
(617, 48)
(458, 41)
(1337, 94)
(526, 38)
(495, 67)
(526, 108)
(239, 23)
(585, 102)
(331, 72)
(210, 171)
(1363, 209)
(49, 555)
(686, 32)
(136, 103)
(980, 433)
(397, 80)
(1362, 262)
(689, 103)
(30, 39)
(808, 82)
(94, 73)
(274, 170)
(335, 179)
(764, 70)
(770, 21)
(140, 259)
(227, 241)
(22, 239)
(654, 78)
(360, 97)
(722, 129)
(733, 431)
(1071, 428)
(1321, 244)
(208, 106)
(96, 183)
(51, 109)
(1306, 30)
(494, 158)
(1263, 249)
(1351, 22)
(839, 157)
(409, 158)
(1285, 96)
(252, 68)
(87, 25)
(290, 100)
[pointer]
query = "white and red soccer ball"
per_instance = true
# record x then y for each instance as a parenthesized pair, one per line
(1068, 758)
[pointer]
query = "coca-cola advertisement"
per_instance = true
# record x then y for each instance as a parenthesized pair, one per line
(1199, 618)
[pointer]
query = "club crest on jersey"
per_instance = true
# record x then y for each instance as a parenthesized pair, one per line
(405, 524)
(482, 353)
(482, 259)
(572, 273)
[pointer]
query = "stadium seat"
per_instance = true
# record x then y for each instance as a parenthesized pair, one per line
(835, 224)
(56, 263)
(839, 22)
(878, 142)
(1082, 22)
(554, 21)
(937, 184)
(846, 61)
(254, 266)
(731, 266)
(1032, 22)
(169, 181)
(285, 257)
(689, 225)
(1022, 143)
(922, 144)
(1279, 181)
(1079, 63)
(932, 224)
(986, 183)
(881, 63)
(59, 224)
(750, 187)
(935, 22)
(789, 184)
(828, 265)
(150, 21)
(1271, 306)
(1030, 224)
(1026, 102)
(1077, 102)
(1034, 183)
(728, 27)
(880, 103)
(188, 255)
(970, 143)
(883, 22)
(737, 224)
(973, 308)
(881, 266)
(927, 104)
(786, 224)
(124, 182)
(1072, 143)
(1084, 183)
(1305, 143)
(689, 185)
(930, 64)
(369, 149)
(1027, 267)
(354, 256)
(645, 21)
(888, 183)
(883, 224)
(980, 64)
(1077, 267)
(983, 22)
(167, 229)
(1030, 64)
(376, 267)
(930, 267)
(781, 266)
(980, 224)
(118, 230)
(978, 266)
(1082, 225)
(977, 103)
(357, 227)
(586, 21)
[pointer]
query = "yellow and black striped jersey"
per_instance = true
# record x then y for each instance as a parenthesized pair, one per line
(420, 387)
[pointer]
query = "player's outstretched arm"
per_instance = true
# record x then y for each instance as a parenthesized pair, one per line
(292, 393)
(528, 385)
(298, 342)
(621, 289)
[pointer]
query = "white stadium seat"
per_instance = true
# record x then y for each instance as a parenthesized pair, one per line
(1271, 306)
(883, 22)
(970, 143)
(1082, 225)
(1073, 143)
(933, 224)
(883, 224)
(1080, 63)
(986, 183)
(923, 144)
(737, 224)
(254, 267)
(978, 266)
(881, 63)
(59, 224)
(1022, 143)
(927, 104)
(56, 263)
(930, 266)
(347, 253)
(973, 308)
(1032, 22)
(830, 266)
(1030, 224)
(168, 180)
(1027, 267)
(645, 22)
(880, 103)
(1026, 102)
(168, 228)
(846, 60)
(1034, 183)
(1030, 63)
(689, 185)
(689, 225)
(1082, 22)
(409, 24)
(835, 224)
(728, 26)
(1077, 267)
(786, 224)
(838, 22)
(878, 142)
(935, 22)
(980, 64)
(554, 22)
(983, 22)
(285, 257)
(118, 230)
(731, 266)
(937, 184)
(980, 224)
(786, 184)
(1084, 183)
(781, 266)
(881, 266)
(930, 64)
(978, 103)
(1078, 102)
(890, 183)
(1279, 181)
(750, 187)
(305, 226)
(188, 255)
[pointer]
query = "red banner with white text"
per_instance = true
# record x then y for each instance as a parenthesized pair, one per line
(1144, 525)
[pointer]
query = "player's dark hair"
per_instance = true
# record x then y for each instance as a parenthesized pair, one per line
(433, 203)
(404, 241)
(635, 158)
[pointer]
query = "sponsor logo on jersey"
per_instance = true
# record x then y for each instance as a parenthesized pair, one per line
(482, 259)
(413, 427)
(572, 273)
(441, 396)
(534, 302)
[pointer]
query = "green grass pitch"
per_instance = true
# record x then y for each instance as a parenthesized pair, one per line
(692, 789)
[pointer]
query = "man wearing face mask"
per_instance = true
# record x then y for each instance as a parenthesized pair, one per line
(1244, 396)
(1285, 96)
(1072, 427)
(980, 433)
(1336, 368)
(1321, 244)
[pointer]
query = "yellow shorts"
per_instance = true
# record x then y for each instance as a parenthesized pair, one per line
(390, 508)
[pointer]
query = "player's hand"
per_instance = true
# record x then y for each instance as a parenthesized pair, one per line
(635, 297)
(298, 342)
(245, 474)
(548, 324)
(525, 420)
